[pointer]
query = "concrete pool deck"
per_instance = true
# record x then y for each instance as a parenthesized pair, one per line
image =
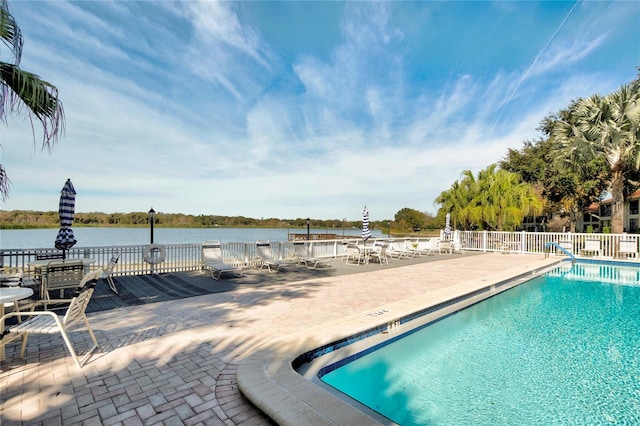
(176, 362)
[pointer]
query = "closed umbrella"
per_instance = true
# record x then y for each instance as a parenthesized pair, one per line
(366, 234)
(65, 239)
(447, 225)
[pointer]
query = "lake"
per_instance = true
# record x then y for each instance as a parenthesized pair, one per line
(97, 237)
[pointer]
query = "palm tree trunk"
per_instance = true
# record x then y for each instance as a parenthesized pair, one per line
(573, 218)
(617, 203)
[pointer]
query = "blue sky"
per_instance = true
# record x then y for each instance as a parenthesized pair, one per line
(299, 109)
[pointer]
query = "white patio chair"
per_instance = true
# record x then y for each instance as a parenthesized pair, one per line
(11, 277)
(60, 275)
(355, 256)
(398, 250)
(419, 248)
(628, 248)
(213, 262)
(267, 259)
(458, 247)
(379, 254)
(445, 246)
(301, 253)
(591, 247)
(109, 271)
(48, 322)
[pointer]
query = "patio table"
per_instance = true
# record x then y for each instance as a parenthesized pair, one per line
(11, 295)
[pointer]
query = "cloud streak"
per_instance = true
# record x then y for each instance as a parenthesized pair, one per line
(187, 106)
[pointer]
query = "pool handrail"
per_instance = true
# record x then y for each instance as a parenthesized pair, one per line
(550, 244)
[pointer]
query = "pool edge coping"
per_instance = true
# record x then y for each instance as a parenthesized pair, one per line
(266, 376)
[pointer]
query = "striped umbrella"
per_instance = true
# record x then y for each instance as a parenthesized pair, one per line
(447, 225)
(366, 234)
(65, 239)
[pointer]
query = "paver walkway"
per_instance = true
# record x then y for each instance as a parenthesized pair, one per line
(174, 362)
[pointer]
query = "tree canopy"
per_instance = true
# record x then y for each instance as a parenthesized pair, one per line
(566, 188)
(607, 129)
(589, 150)
(495, 199)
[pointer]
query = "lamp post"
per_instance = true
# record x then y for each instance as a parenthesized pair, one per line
(152, 218)
(308, 222)
(344, 219)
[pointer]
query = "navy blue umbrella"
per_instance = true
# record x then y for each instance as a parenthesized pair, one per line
(366, 234)
(447, 225)
(65, 239)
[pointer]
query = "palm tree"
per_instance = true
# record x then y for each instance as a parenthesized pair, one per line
(496, 199)
(608, 128)
(503, 200)
(19, 88)
(456, 201)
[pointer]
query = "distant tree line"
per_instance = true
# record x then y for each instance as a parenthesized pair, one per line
(405, 220)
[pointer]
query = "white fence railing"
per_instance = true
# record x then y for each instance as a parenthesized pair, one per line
(609, 246)
(188, 257)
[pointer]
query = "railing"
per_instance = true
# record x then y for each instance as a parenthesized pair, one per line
(611, 245)
(560, 248)
(188, 257)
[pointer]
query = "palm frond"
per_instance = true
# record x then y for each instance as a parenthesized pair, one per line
(20, 88)
(5, 183)
(10, 32)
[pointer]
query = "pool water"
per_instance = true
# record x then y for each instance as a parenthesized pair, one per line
(563, 348)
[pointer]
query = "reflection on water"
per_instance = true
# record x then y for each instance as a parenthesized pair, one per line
(604, 273)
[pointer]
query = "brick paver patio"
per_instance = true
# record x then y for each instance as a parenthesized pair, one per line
(175, 362)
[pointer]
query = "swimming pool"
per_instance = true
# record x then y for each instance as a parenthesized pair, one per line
(563, 347)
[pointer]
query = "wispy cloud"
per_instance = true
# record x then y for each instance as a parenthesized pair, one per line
(186, 107)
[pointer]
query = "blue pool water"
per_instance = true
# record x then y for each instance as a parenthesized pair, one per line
(563, 348)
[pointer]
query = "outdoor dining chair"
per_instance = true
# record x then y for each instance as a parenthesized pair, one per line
(379, 254)
(60, 275)
(109, 271)
(48, 322)
(355, 256)
(11, 277)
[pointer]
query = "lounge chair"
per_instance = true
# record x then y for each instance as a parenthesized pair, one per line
(419, 248)
(398, 250)
(628, 248)
(48, 322)
(267, 259)
(302, 257)
(212, 261)
(591, 247)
